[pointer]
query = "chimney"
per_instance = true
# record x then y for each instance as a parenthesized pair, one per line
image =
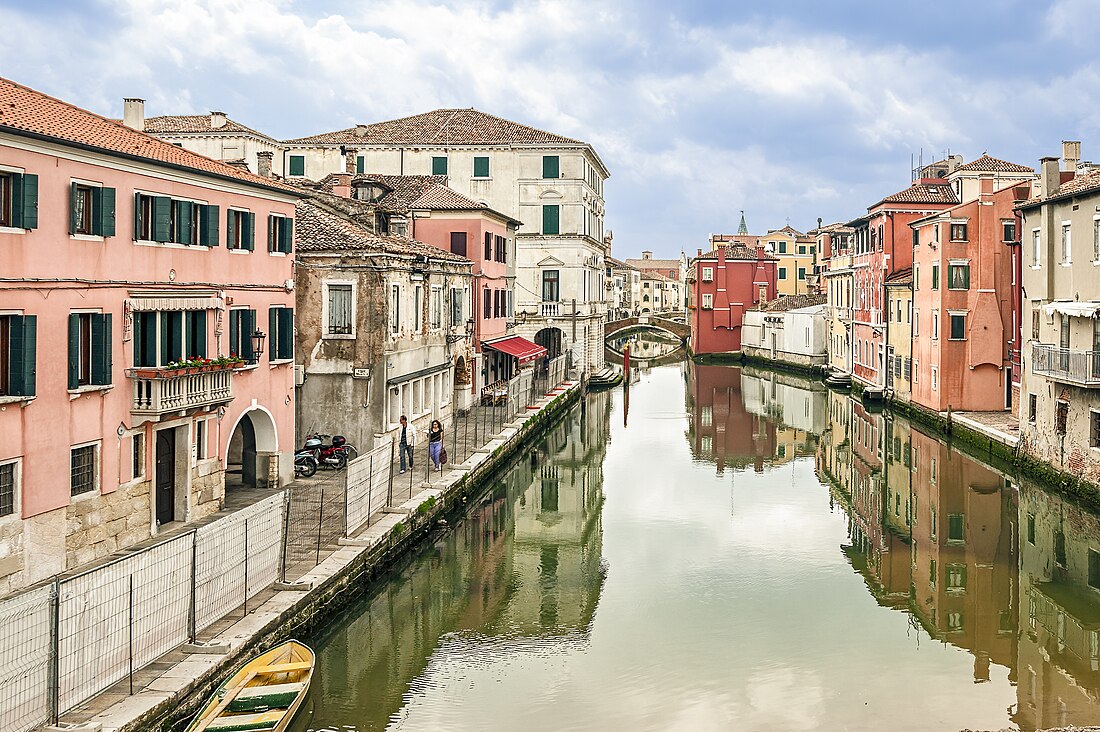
(1049, 179)
(217, 120)
(647, 255)
(985, 186)
(1071, 155)
(133, 113)
(263, 163)
(700, 253)
(360, 130)
(341, 185)
(239, 164)
(350, 155)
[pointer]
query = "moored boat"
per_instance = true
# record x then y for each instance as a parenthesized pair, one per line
(263, 695)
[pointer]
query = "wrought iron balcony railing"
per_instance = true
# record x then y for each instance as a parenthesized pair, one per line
(1062, 364)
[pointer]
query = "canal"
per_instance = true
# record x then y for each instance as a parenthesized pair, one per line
(730, 548)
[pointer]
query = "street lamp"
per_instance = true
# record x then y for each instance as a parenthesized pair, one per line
(258, 338)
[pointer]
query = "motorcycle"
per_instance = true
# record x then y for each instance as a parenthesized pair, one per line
(305, 465)
(333, 456)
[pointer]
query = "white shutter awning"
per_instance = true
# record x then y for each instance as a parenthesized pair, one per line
(1073, 308)
(146, 303)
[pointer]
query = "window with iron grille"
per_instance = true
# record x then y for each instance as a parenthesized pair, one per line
(1094, 429)
(1061, 415)
(82, 469)
(1032, 407)
(7, 489)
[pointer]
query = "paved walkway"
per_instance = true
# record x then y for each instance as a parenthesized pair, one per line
(1001, 426)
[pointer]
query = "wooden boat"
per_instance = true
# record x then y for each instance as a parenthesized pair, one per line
(263, 694)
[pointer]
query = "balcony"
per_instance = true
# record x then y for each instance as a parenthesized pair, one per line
(158, 391)
(1081, 368)
(550, 309)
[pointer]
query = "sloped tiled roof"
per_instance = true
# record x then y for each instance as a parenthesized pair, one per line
(440, 127)
(923, 193)
(441, 198)
(788, 230)
(185, 123)
(987, 163)
(901, 277)
(794, 302)
(25, 110)
(321, 229)
(654, 263)
(1079, 184)
(403, 190)
(836, 227)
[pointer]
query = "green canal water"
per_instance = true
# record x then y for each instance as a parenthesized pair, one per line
(726, 548)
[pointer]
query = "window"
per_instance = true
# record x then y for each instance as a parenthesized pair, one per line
(89, 349)
(488, 246)
(551, 219)
(1096, 240)
(708, 301)
(339, 308)
(1032, 407)
(1060, 548)
(1061, 415)
(361, 164)
(1031, 528)
(1008, 231)
(550, 291)
(958, 327)
(439, 165)
(1036, 249)
(7, 488)
(240, 230)
(501, 249)
(708, 274)
(17, 355)
(481, 167)
(280, 328)
(200, 439)
(956, 527)
(916, 323)
(280, 234)
(458, 243)
(935, 325)
(418, 305)
(242, 323)
(1094, 429)
(801, 273)
(194, 326)
(395, 309)
(18, 200)
(1035, 323)
(935, 276)
(486, 304)
(958, 232)
(782, 247)
(916, 276)
(456, 306)
(550, 166)
(137, 456)
(782, 273)
(958, 276)
(437, 307)
(1067, 243)
(82, 469)
(80, 209)
(935, 378)
(297, 165)
(956, 577)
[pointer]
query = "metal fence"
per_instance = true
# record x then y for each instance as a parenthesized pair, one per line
(368, 486)
(65, 642)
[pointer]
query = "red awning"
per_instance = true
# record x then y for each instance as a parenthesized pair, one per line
(521, 348)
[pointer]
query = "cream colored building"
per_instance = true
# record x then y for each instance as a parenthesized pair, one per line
(899, 334)
(795, 252)
(553, 184)
(838, 281)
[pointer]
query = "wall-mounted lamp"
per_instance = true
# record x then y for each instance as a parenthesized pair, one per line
(258, 338)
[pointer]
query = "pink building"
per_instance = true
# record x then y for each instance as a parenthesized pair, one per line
(882, 245)
(964, 312)
(124, 254)
(722, 285)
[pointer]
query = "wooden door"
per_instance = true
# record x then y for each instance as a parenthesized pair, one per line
(166, 476)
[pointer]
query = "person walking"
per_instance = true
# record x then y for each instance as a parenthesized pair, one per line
(435, 443)
(408, 439)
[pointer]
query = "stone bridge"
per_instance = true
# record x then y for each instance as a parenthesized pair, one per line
(647, 322)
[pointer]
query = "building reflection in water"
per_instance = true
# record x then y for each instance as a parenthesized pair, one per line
(525, 564)
(1010, 574)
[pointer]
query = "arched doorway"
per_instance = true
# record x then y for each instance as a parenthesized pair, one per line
(552, 339)
(250, 447)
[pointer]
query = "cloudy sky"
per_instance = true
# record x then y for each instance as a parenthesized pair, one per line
(700, 108)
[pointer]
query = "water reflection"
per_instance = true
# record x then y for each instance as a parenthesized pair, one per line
(522, 573)
(647, 346)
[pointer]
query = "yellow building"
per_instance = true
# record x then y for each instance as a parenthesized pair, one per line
(899, 337)
(795, 252)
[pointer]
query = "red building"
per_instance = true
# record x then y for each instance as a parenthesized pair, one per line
(722, 285)
(883, 244)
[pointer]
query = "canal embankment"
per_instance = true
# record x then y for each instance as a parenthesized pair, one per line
(185, 678)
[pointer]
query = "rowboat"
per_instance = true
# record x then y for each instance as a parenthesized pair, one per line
(263, 694)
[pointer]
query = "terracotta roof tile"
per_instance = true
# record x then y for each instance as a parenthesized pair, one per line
(1079, 184)
(185, 123)
(25, 110)
(923, 193)
(439, 127)
(987, 163)
(794, 302)
(322, 229)
(901, 277)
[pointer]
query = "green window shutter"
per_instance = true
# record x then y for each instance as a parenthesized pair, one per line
(101, 349)
(72, 211)
(250, 232)
(145, 339)
(966, 278)
(551, 166)
(186, 221)
(105, 208)
(274, 239)
(297, 165)
(550, 219)
(439, 166)
(935, 278)
(74, 350)
(272, 333)
(286, 333)
(481, 167)
(234, 332)
(29, 200)
(230, 227)
(208, 234)
(249, 327)
(164, 359)
(288, 235)
(137, 217)
(22, 348)
(162, 215)
(196, 333)
(361, 164)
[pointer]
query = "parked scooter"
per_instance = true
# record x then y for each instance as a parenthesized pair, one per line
(305, 465)
(332, 456)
